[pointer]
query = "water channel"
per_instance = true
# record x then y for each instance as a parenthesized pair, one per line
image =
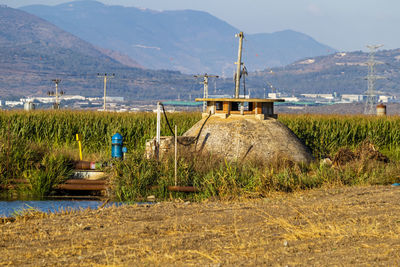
(9, 208)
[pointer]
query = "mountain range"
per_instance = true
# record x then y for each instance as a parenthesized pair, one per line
(188, 41)
(34, 51)
(342, 72)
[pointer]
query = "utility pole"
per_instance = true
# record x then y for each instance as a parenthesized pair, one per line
(371, 94)
(205, 83)
(105, 88)
(239, 65)
(158, 131)
(56, 94)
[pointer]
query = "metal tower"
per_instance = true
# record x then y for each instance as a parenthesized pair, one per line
(371, 78)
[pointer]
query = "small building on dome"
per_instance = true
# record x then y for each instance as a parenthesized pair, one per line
(253, 107)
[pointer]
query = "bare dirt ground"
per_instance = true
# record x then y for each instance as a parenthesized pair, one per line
(357, 226)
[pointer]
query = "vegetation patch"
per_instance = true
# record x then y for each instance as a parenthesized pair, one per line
(137, 178)
(41, 167)
(29, 141)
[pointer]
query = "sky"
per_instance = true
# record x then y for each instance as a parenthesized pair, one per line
(346, 25)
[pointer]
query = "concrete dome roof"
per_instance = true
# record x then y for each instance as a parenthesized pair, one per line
(245, 137)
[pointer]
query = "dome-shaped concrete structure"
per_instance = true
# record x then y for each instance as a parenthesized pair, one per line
(246, 137)
(236, 128)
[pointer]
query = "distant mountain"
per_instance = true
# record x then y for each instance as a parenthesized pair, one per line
(344, 73)
(189, 41)
(34, 51)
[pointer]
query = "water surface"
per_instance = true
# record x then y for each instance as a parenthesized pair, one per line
(11, 208)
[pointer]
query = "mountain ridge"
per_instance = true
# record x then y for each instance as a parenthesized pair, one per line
(186, 40)
(342, 72)
(33, 52)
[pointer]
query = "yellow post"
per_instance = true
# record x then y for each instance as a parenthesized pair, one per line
(78, 138)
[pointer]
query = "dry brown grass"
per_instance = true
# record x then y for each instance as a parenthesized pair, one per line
(331, 226)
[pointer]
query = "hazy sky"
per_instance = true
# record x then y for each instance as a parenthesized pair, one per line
(343, 24)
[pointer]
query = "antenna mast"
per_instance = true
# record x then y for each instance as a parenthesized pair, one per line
(239, 64)
(369, 108)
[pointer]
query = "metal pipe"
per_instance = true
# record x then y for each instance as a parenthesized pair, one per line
(189, 189)
(19, 181)
(82, 187)
(86, 182)
(87, 165)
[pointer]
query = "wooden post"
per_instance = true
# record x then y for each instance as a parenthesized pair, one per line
(239, 65)
(176, 154)
(158, 134)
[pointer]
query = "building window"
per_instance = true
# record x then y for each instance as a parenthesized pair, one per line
(235, 106)
(219, 105)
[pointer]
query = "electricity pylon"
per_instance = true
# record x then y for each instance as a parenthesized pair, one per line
(205, 83)
(371, 78)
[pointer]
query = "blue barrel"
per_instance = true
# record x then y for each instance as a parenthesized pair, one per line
(117, 141)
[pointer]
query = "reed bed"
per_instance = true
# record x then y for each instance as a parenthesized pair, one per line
(324, 134)
(136, 178)
(42, 131)
(59, 128)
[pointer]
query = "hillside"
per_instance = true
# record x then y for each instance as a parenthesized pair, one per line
(340, 72)
(33, 51)
(189, 41)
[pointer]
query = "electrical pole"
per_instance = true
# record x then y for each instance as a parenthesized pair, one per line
(105, 88)
(205, 83)
(239, 64)
(56, 94)
(371, 94)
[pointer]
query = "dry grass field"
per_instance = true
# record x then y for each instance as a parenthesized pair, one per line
(358, 226)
